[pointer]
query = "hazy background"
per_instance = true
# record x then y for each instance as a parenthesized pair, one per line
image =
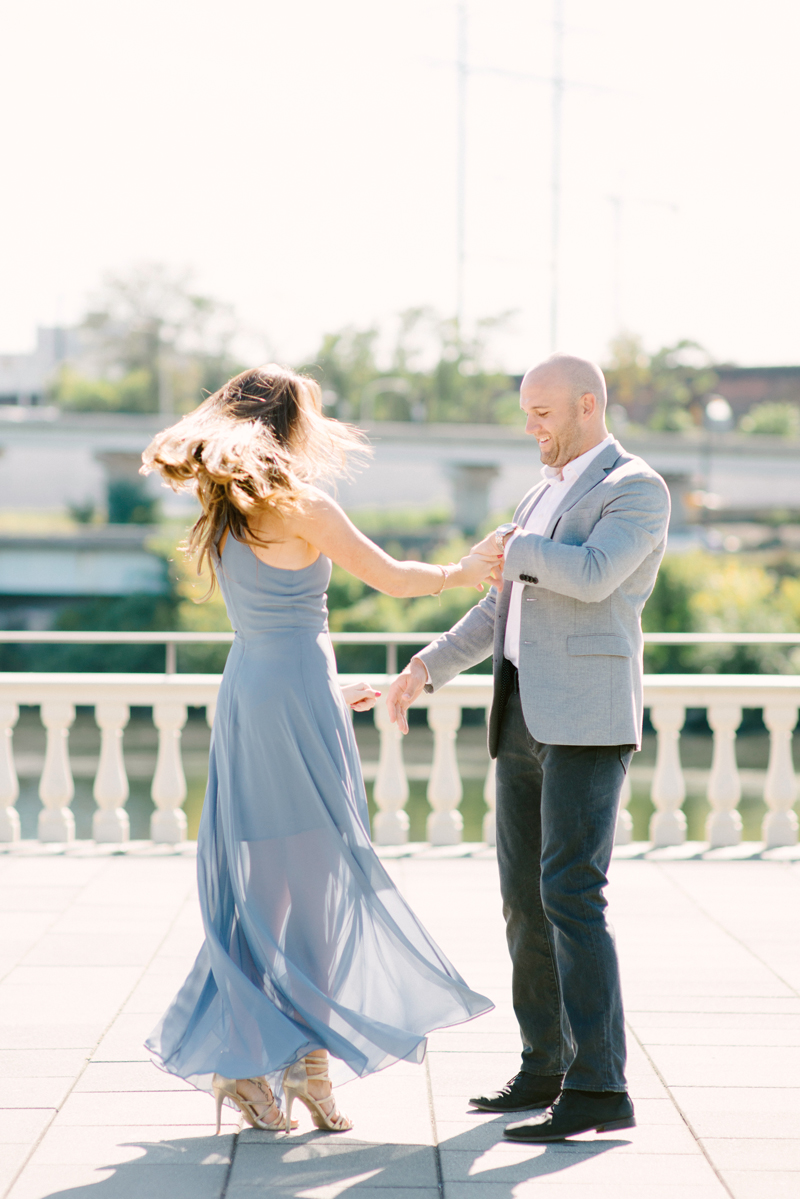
(300, 158)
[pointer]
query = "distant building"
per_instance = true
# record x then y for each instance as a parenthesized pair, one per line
(744, 386)
(24, 378)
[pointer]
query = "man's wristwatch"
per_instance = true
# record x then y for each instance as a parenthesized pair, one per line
(500, 534)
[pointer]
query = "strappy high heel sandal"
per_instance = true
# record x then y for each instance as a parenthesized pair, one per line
(226, 1088)
(295, 1086)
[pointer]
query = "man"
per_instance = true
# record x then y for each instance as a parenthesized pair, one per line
(564, 624)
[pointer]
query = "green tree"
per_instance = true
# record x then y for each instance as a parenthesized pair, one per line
(664, 390)
(154, 343)
(431, 373)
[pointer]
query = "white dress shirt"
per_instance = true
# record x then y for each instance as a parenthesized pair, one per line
(560, 483)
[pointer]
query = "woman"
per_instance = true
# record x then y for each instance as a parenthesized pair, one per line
(309, 948)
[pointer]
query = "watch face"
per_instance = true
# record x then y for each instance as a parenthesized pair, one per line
(508, 527)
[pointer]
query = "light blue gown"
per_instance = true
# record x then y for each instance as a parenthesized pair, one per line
(308, 945)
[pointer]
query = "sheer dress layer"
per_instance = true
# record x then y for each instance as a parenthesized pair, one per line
(308, 944)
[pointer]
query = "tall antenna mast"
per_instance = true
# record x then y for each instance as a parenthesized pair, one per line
(461, 165)
(555, 215)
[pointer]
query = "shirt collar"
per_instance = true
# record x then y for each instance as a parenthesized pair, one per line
(574, 469)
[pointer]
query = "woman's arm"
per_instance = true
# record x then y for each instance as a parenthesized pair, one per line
(321, 522)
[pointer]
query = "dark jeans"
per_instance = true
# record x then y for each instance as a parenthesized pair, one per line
(556, 815)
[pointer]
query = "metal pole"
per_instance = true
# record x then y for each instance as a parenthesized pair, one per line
(555, 216)
(171, 665)
(461, 166)
(391, 659)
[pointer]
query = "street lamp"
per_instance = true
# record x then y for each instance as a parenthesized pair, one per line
(718, 418)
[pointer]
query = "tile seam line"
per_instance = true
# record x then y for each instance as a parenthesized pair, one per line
(432, 1110)
(683, 1116)
(15, 1179)
(736, 940)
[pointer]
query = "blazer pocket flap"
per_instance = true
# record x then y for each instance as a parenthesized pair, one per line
(618, 647)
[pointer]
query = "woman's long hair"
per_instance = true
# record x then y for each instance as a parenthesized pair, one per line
(250, 448)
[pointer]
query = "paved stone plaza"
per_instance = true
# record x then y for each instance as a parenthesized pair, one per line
(94, 944)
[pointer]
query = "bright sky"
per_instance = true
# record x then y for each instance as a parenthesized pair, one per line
(301, 158)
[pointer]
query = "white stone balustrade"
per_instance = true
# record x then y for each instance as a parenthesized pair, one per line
(9, 783)
(168, 822)
(110, 822)
(668, 823)
(169, 696)
(445, 823)
(56, 788)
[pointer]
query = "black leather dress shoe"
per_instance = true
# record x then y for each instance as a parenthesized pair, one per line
(575, 1112)
(522, 1093)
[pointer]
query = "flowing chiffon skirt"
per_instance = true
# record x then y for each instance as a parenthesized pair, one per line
(308, 944)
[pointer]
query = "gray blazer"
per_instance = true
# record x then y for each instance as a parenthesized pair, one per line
(586, 582)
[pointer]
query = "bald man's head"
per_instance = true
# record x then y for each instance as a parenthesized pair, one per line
(578, 375)
(564, 399)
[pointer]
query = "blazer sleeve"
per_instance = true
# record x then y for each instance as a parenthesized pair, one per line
(466, 644)
(633, 522)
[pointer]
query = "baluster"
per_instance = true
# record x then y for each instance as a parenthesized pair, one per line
(391, 785)
(445, 822)
(724, 824)
(624, 831)
(168, 822)
(110, 822)
(668, 823)
(56, 788)
(780, 789)
(9, 784)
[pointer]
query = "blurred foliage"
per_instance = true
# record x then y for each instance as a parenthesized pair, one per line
(701, 592)
(664, 391)
(429, 373)
(780, 420)
(149, 337)
(130, 504)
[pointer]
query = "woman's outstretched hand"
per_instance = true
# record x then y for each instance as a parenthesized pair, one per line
(360, 696)
(478, 567)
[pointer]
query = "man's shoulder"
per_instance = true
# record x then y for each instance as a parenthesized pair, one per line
(630, 467)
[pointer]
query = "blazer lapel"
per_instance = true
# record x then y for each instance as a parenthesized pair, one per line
(595, 473)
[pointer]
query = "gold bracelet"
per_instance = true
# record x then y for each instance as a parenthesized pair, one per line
(445, 577)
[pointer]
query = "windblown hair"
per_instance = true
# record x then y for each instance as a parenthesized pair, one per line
(251, 447)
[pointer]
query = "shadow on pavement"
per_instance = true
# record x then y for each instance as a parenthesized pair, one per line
(324, 1166)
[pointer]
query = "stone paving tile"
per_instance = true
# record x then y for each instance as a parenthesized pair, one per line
(51, 1036)
(566, 1188)
(585, 1162)
(39, 1063)
(110, 1146)
(729, 1153)
(646, 1138)
(124, 1041)
(686, 975)
(716, 1066)
(129, 1181)
(311, 1165)
(35, 1092)
(129, 1077)
(361, 1189)
(767, 1184)
(139, 1108)
(22, 1125)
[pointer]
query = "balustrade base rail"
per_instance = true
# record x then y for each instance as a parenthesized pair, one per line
(169, 696)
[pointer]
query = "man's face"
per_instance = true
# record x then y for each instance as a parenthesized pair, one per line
(554, 419)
